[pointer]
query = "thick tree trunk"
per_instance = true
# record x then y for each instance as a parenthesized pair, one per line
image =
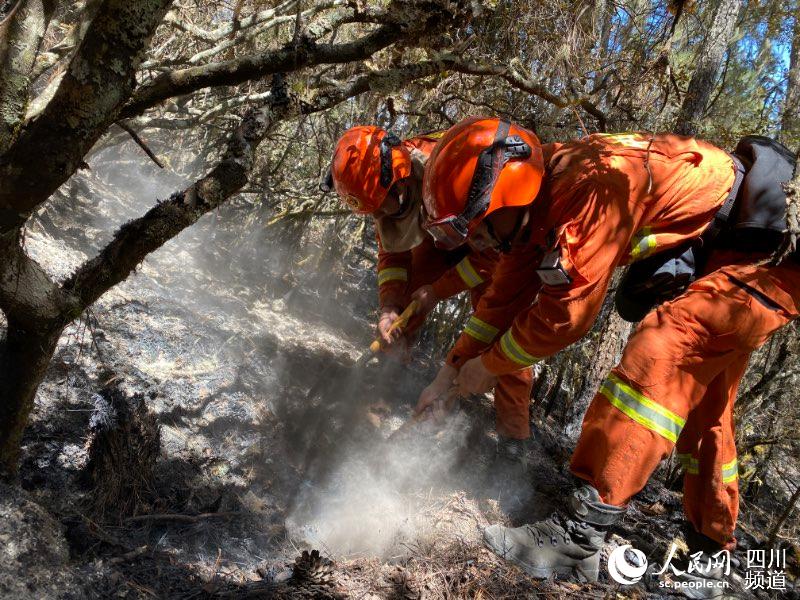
(36, 312)
(21, 35)
(709, 59)
(610, 344)
(790, 117)
(24, 356)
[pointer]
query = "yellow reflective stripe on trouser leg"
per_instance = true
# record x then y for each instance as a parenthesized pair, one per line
(480, 330)
(392, 274)
(641, 409)
(689, 463)
(643, 243)
(730, 471)
(468, 273)
(515, 352)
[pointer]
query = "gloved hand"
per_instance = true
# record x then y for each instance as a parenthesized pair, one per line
(440, 385)
(475, 378)
(427, 299)
(388, 316)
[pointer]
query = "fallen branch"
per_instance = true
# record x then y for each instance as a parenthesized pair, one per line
(135, 553)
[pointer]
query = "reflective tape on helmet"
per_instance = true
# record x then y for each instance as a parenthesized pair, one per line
(480, 330)
(641, 409)
(730, 471)
(689, 463)
(392, 274)
(643, 244)
(468, 273)
(515, 352)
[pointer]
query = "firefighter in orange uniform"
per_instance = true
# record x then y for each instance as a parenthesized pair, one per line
(607, 201)
(378, 174)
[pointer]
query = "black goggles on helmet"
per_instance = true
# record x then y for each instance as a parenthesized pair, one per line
(451, 231)
(388, 142)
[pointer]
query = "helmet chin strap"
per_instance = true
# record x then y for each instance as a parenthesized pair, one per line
(504, 245)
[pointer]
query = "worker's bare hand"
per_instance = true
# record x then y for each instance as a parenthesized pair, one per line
(427, 299)
(439, 386)
(475, 378)
(388, 316)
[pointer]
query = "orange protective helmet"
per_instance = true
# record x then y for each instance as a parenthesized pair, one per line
(479, 166)
(367, 161)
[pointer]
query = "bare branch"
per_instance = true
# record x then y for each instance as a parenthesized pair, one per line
(225, 30)
(233, 72)
(138, 238)
(247, 34)
(140, 142)
(523, 83)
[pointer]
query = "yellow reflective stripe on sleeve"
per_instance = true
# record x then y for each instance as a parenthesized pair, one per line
(468, 273)
(643, 243)
(689, 463)
(515, 352)
(480, 330)
(392, 274)
(641, 409)
(730, 471)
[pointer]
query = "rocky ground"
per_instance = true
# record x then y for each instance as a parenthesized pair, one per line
(196, 436)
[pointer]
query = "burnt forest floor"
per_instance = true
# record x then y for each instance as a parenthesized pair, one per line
(269, 442)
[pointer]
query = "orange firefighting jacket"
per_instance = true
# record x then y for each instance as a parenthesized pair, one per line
(400, 273)
(607, 201)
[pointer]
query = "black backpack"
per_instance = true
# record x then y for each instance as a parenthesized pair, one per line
(753, 220)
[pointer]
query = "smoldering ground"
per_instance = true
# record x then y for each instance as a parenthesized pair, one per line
(374, 488)
(226, 342)
(228, 347)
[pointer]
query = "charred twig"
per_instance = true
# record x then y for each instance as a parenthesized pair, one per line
(181, 518)
(135, 553)
(773, 535)
(135, 137)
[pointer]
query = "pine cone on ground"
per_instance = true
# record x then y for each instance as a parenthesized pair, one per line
(312, 568)
(313, 576)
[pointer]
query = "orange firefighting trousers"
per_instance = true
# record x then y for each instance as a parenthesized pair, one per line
(512, 393)
(676, 386)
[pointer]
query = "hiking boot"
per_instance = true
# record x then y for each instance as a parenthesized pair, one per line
(705, 571)
(702, 583)
(563, 544)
